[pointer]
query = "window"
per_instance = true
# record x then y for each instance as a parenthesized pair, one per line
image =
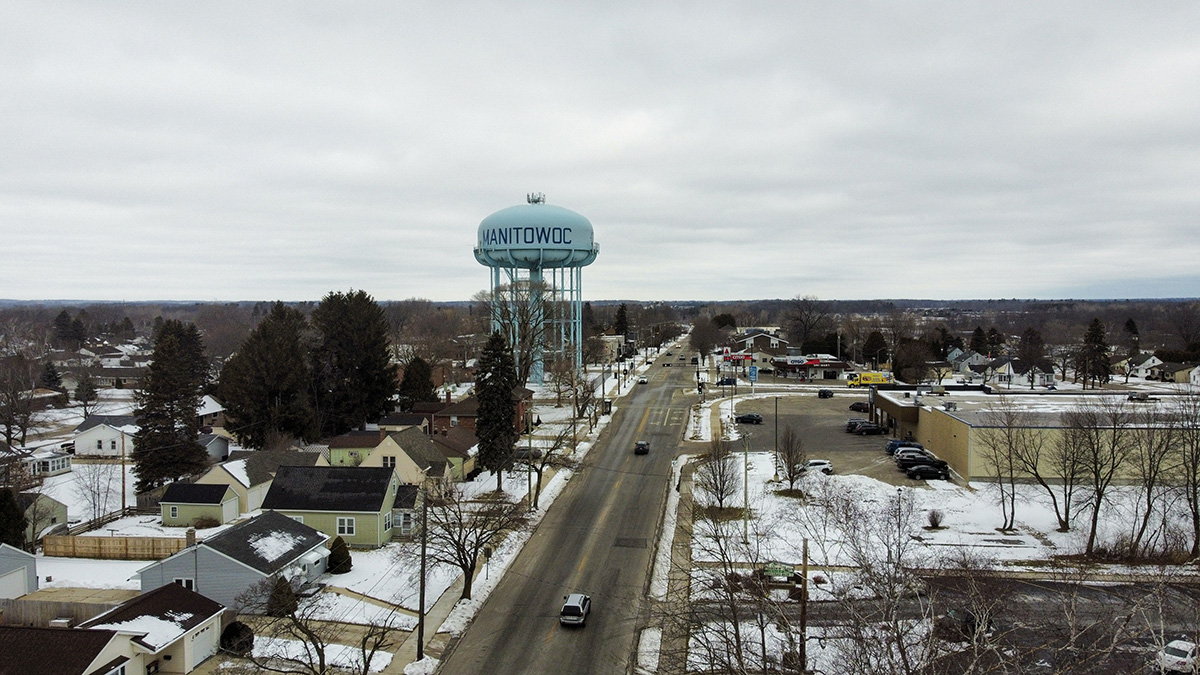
(298, 519)
(174, 511)
(119, 670)
(346, 526)
(113, 444)
(389, 462)
(99, 444)
(186, 582)
(406, 523)
(387, 520)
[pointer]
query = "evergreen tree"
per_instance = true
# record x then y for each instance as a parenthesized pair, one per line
(1094, 362)
(995, 339)
(417, 385)
(1031, 350)
(125, 331)
(282, 601)
(50, 378)
(494, 384)
(356, 379)
(588, 320)
(165, 445)
(12, 520)
(266, 386)
(339, 557)
(621, 323)
(875, 348)
(979, 343)
(62, 329)
(1131, 330)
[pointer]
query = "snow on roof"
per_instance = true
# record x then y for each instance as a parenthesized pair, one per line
(237, 469)
(209, 406)
(271, 545)
(157, 632)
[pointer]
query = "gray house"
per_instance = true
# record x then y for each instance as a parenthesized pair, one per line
(226, 565)
(18, 572)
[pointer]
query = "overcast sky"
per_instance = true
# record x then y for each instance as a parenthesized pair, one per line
(722, 150)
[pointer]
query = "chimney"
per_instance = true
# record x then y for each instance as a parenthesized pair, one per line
(447, 398)
(191, 537)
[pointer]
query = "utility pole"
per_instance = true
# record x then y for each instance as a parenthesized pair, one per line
(804, 610)
(776, 478)
(421, 593)
(746, 489)
(123, 490)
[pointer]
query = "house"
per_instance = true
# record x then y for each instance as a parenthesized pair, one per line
(43, 514)
(210, 413)
(1179, 373)
(399, 421)
(411, 453)
(757, 340)
(353, 502)
(250, 474)
(172, 629)
(464, 412)
(216, 446)
(458, 445)
(1138, 365)
(183, 504)
(229, 563)
(106, 436)
(18, 572)
(22, 468)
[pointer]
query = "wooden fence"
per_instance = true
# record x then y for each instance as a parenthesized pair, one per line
(113, 548)
(42, 612)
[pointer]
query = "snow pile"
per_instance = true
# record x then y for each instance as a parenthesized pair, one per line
(270, 546)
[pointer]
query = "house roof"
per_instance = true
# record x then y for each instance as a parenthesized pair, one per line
(27, 499)
(114, 421)
(261, 465)
(354, 439)
(456, 442)
(209, 406)
(267, 543)
(24, 649)
(431, 407)
(399, 419)
(160, 617)
(406, 497)
(329, 488)
(421, 449)
(468, 407)
(194, 493)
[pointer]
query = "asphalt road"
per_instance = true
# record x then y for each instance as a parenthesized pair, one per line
(597, 539)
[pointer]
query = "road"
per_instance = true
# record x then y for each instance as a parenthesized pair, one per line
(597, 539)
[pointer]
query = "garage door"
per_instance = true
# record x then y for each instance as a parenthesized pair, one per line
(12, 585)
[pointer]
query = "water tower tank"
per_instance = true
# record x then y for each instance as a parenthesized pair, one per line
(536, 235)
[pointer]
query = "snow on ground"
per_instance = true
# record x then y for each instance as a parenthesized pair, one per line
(87, 573)
(335, 655)
(86, 478)
(380, 574)
(332, 606)
(149, 525)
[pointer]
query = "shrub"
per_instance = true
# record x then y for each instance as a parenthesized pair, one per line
(935, 518)
(283, 599)
(205, 522)
(339, 557)
(237, 639)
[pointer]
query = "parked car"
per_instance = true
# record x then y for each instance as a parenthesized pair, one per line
(928, 471)
(895, 444)
(906, 463)
(911, 452)
(854, 422)
(869, 428)
(824, 393)
(822, 465)
(860, 406)
(726, 382)
(666, 364)
(1177, 656)
(695, 360)
(749, 418)
(575, 609)
(641, 448)
(641, 380)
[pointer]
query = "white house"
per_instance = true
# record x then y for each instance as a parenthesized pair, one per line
(106, 436)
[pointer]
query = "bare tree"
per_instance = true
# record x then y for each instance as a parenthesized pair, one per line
(806, 317)
(545, 457)
(1154, 450)
(459, 528)
(1187, 415)
(300, 633)
(717, 476)
(1057, 466)
(18, 377)
(791, 455)
(523, 310)
(1185, 320)
(98, 485)
(1001, 438)
(1102, 431)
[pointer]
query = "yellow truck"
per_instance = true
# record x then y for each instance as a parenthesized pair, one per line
(865, 379)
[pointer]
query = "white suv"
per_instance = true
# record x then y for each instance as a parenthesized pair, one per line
(575, 609)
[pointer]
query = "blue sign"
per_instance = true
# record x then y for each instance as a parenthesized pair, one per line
(754, 373)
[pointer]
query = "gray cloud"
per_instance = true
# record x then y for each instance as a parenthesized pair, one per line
(282, 150)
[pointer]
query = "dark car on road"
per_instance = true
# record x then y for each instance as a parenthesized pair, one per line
(860, 406)
(641, 448)
(749, 418)
(928, 471)
(825, 393)
(868, 429)
(726, 382)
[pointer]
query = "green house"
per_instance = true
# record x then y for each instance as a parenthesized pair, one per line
(351, 502)
(183, 504)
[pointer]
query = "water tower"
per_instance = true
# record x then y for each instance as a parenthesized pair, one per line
(536, 253)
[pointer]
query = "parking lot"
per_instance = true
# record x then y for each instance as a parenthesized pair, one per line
(821, 423)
